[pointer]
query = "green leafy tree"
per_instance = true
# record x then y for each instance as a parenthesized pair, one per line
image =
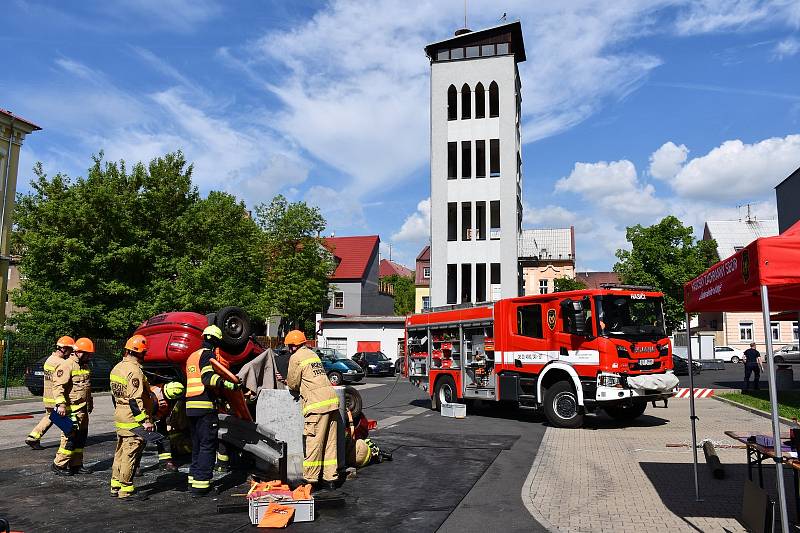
(665, 256)
(296, 265)
(567, 284)
(404, 293)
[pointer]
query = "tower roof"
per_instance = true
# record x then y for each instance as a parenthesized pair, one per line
(504, 33)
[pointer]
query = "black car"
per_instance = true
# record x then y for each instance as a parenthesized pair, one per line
(681, 366)
(101, 370)
(374, 363)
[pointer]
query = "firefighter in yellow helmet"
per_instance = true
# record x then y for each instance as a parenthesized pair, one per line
(72, 393)
(63, 349)
(320, 405)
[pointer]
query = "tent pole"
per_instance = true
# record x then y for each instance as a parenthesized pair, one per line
(692, 416)
(773, 400)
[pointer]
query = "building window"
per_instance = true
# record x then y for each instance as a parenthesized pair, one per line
(480, 282)
(452, 160)
(794, 331)
(473, 51)
(466, 102)
(494, 219)
(442, 55)
(494, 158)
(480, 159)
(466, 283)
(456, 53)
(466, 221)
(746, 331)
(466, 159)
(502, 49)
(452, 287)
(494, 100)
(338, 300)
(452, 103)
(452, 221)
(543, 285)
(776, 330)
(494, 280)
(487, 50)
(529, 321)
(480, 221)
(426, 272)
(426, 302)
(480, 101)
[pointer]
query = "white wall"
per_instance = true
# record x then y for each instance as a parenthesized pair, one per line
(387, 334)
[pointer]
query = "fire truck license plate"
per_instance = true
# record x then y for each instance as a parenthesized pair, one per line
(645, 362)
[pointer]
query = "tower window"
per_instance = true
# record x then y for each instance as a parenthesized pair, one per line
(452, 160)
(494, 158)
(480, 101)
(480, 159)
(494, 219)
(456, 53)
(452, 102)
(452, 281)
(466, 159)
(502, 49)
(466, 221)
(466, 282)
(480, 282)
(443, 55)
(486, 50)
(480, 221)
(466, 100)
(494, 100)
(452, 221)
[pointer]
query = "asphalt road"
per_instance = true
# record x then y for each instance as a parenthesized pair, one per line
(731, 377)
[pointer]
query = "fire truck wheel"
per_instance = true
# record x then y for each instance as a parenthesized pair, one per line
(626, 412)
(445, 392)
(561, 406)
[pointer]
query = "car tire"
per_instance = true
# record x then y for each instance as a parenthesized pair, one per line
(735, 360)
(235, 326)
(561, 406)
(444, 392)
(353, 401)
(336, 377)
(778, 359)
(626, 413)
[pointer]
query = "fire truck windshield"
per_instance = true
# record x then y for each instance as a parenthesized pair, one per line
(630, 316)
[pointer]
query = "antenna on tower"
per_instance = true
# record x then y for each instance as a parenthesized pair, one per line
(465, 14)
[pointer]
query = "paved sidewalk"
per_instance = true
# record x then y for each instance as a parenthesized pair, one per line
(624, 479)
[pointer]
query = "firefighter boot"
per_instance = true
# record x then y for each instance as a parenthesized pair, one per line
(79, 470)
(169, 466)
(34, 443)
(59, 470)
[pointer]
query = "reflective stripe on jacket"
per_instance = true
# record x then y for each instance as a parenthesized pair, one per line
(307, 376)
(201, 380)
(50, 367)
(72, 384)
(131, 391)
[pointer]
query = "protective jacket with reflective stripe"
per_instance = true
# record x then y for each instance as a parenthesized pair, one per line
(201, 380)
(132, 401)
(50, 367)
(72, 384)
(307, 376)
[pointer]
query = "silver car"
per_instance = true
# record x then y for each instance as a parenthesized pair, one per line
(788, 354)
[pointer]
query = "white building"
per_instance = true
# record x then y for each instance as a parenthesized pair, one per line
(362, 334)
(476, 176)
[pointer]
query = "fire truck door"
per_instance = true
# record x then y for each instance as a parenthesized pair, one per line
(574, 333)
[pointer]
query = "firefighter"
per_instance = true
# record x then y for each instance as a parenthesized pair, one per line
(133, 408)
(320, 404)
(72, 392)
(201, 409)
(163, 399)
(63, 349)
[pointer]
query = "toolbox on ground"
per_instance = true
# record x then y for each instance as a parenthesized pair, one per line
(454, 410)
(303, 509)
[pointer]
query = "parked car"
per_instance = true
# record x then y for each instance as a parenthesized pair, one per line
(680, 366)
(375, 363)
(339, 368)
(728, 354)
(101, 370)
(788, 354)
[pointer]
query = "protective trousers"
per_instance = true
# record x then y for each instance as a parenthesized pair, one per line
(320, 443)
(43, 425)
(164, 447)
(70, 452)
(126, 460)
(204, 448)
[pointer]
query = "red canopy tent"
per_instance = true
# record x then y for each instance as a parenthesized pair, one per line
(764, 276)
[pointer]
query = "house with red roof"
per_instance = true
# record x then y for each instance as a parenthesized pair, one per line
(356, 281)
(390, 268)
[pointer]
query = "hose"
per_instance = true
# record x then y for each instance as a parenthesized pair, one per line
(396, 381)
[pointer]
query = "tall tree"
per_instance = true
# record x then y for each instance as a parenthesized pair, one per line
(296, 264)
(404, 293)
(666, 256)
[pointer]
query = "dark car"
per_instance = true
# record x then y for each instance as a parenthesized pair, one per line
(339, 368)
(680, 366)
(375, 363)
(101, 370)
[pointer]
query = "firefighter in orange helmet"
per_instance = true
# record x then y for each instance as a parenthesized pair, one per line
(63, 349)
(320, 405)
(72, 392)
(133, 409)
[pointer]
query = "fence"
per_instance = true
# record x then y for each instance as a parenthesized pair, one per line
(22, 361)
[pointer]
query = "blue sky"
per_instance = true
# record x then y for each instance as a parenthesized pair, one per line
(633, 109)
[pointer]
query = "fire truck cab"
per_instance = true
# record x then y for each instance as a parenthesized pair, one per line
(565, 353)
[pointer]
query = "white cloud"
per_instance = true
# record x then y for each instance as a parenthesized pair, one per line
(174, 15)
(705, 16)
(597, 179)
(341, 209)
(417, 226)
(786, 48)
(551, 216)
(736, 171)
(666, 162)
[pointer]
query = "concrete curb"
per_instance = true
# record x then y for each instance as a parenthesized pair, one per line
(753, 410)
(527, 501)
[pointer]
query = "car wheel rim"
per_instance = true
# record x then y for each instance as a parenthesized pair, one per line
(565, 405)
(446, 394)
(234, 327)
(335, 379)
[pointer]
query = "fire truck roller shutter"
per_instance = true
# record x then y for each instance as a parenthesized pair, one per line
(559, 369)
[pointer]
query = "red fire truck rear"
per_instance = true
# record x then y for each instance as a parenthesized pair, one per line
(565, 353)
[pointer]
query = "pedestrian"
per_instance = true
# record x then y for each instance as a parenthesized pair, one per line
(753, 364)
(202, 398)
(63, 349)
(72, 390)
(320, 404)
(132, 409)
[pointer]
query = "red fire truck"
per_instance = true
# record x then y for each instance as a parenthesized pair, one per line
(566, 353)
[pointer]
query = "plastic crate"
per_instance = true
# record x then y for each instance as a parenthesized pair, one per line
(303, 509)
(454, 410)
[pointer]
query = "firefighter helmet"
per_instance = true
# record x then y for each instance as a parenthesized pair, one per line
(84, 345)
(137, 344)
(295, 338)
(212, 332)
(65, 342)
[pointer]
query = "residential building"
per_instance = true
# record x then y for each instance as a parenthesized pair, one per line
(595, 280)
(738, 330)
(422, 280)
(476, 165)
(356, 288)
(390, 268)
(546, 255)
(353, 334)
(787, 194)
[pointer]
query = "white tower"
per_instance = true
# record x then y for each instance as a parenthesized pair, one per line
(476, 165)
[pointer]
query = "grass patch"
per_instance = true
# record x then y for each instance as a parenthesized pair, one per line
(788, 402)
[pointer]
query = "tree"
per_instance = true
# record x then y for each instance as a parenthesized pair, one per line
(567, 284)
(404, 293)
(665, 256)
(295, 263)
